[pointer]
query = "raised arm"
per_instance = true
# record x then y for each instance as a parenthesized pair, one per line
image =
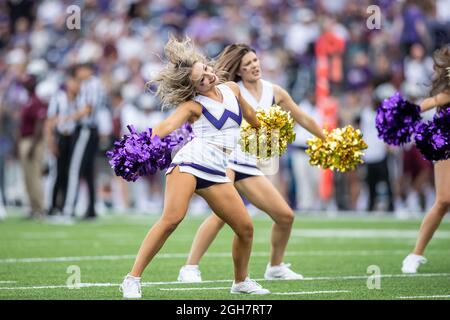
(184, 112)
(286, 102)
(247, 111)
(438, 100)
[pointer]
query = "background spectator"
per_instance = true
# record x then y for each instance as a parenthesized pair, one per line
(124, 41)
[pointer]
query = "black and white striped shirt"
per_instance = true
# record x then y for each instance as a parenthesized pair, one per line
(92, 93)
(60, 106)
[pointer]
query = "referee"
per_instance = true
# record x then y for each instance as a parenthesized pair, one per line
(91, 100)
(60, 134)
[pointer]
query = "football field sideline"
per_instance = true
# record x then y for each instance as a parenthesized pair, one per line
(333, 254)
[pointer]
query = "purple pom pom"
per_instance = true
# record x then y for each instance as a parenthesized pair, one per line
(138, 154)
(396, 120)
(433, 137)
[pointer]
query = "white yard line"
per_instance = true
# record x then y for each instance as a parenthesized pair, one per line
(196, 288)
(425, 297)
(277, 293)
(380, 276)
(296, 232)
(66, 259)
(310, 292)
(147, 284)
(363, 233)
(212, 255)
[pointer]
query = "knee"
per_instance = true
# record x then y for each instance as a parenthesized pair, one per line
(443, 203)
(285, 219)
(245, 230)
(171, 223)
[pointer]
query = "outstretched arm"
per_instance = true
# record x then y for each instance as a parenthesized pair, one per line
(438, 100)
(184, 112)
(247, 111)
(286, 102)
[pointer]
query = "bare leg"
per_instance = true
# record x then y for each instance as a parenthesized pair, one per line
(175, 206)
(206, 234)
(260, 192)
(225, 201)
(441, 206)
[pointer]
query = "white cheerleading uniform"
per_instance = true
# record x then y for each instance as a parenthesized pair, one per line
(240, 161)
(216, 135)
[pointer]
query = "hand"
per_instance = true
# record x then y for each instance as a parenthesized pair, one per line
(54, 149)
(424, 105)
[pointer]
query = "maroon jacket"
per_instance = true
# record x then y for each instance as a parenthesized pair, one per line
(33, 111)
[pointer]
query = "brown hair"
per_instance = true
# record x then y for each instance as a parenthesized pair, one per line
(441, 81)
(230, 60)
(174, 81)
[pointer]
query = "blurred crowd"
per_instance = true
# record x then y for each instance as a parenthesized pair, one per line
(123, 43)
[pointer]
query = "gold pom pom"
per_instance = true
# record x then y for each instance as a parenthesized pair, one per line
(272, 138)
(342, 149)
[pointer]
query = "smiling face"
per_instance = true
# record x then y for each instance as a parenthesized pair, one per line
(249, 68)
(204, 77)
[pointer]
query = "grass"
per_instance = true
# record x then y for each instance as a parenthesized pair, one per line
(332, 261)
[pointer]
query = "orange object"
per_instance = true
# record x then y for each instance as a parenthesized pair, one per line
(329, 49)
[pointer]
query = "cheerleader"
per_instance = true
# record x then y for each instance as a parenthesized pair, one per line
(215, 112)
(440, 97)
(242, 65)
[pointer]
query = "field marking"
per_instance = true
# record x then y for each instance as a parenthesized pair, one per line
(310, 292)
(296, 232)
(211, 255)
(2, 282)
(148, 284)
(363, 233)
(277, 293)
(196, 288)
(67, 259)
(425, 297)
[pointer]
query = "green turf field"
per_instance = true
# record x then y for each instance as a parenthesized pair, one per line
(332, 253)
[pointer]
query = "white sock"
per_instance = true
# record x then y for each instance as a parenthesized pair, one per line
(134, 278)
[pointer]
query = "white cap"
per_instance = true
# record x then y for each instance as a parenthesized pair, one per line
(37, 67)
(384, 91)
(46, 89)
(147, 101)
(412, 90)
(16, 56)
(130, 92)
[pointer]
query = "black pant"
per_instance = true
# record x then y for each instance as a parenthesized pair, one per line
(65, 145)
(82, 166)
(378, 172)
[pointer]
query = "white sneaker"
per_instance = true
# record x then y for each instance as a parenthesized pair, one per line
(131, 287)
(412, 262)
(190, 273)
(281, 272)
(248, 286)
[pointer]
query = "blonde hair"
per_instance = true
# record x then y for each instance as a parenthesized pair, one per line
(174, 82)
